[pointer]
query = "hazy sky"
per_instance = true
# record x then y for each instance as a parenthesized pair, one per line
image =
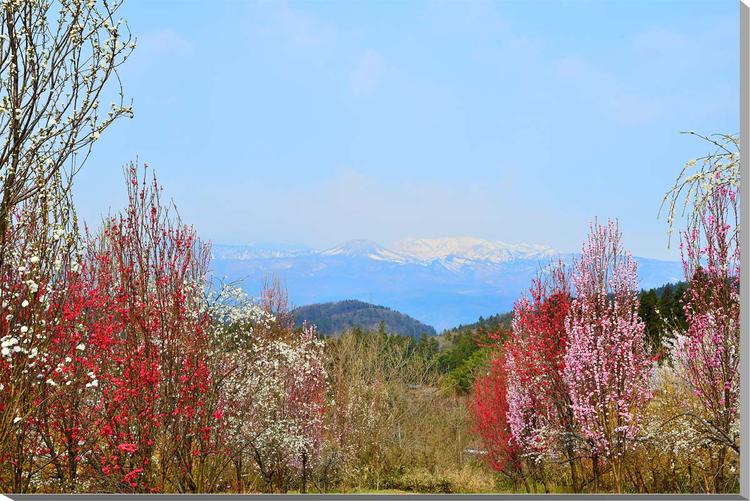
(319, 122)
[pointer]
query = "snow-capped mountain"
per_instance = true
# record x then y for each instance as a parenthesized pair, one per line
(440, 281)
(365, 248)
(468, 249)
(464, 250)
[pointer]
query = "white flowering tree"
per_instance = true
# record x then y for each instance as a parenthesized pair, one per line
(33, 284)
(274, 391)
(56, 60)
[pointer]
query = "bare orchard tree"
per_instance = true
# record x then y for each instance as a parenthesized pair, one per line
(56, 58)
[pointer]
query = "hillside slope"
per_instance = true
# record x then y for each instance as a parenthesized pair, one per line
(336, 317)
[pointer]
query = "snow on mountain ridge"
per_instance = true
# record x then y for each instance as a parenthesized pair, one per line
(364, 248)
(451, 252)
(469, 248)
(354, 248)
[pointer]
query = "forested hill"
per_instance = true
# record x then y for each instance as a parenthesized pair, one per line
(337, 317)
(489, 324)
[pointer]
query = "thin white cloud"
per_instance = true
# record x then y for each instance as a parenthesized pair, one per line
(572, 67)
(631, 109)
(300, 29)
(661, 41)
(349, 203)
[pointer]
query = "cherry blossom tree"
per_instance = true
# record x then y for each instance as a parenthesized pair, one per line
(607, 367)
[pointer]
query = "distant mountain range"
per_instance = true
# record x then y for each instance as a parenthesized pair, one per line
(442, 282)
(335, 318)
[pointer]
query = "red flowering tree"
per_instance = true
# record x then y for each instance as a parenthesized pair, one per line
(539, 407)
(490, 413)
(607, 367)
(59, 60)
(148, 343)
(66, 420)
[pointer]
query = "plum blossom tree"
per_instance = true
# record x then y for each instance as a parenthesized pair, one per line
(235, 322)
(607, 367)
(39, 254)
(700, 177)
(706, 356)
(274, 391)
(57, 60)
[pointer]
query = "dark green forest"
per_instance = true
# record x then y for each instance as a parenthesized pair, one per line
(334, 318)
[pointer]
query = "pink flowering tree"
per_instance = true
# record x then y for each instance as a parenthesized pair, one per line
(607, 367)
(707, 355)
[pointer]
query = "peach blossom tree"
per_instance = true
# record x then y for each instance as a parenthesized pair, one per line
(607, 367)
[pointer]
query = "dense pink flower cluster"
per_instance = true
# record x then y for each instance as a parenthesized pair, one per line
(607, 367)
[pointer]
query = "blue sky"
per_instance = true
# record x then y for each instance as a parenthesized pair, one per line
(319, 122)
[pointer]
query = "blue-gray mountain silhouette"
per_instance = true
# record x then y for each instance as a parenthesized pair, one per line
(441, 282)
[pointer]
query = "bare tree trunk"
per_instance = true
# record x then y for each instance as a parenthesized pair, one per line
(719, 477)
(573, 469)
(238, 474)
(617, 473)
(595, 469)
